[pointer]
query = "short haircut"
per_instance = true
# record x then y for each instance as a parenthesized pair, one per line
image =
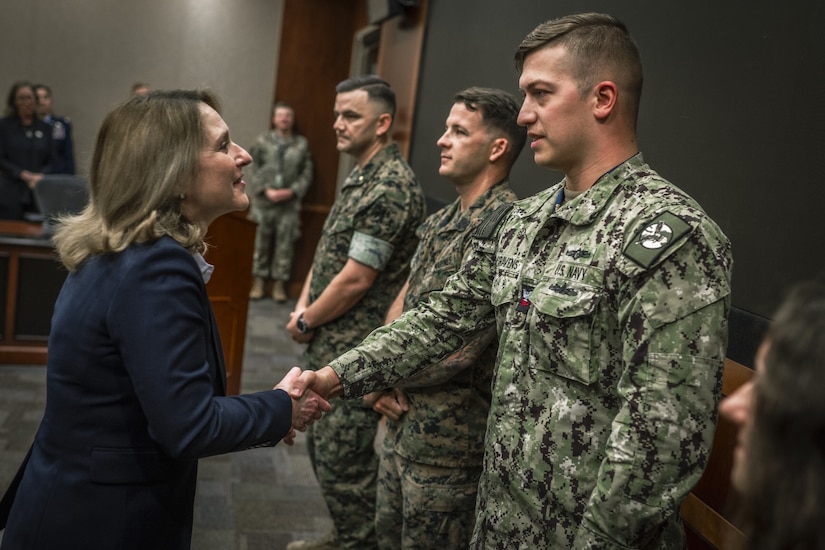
(600, 48)
(43, 87)
(284, 105)
(499, 111)
(378, 90)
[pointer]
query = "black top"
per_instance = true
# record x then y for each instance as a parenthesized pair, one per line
(21, 148)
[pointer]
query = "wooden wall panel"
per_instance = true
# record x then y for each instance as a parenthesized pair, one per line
(315, 54)
(30, 281)
(316, 45)
(399, 60)
(232, 240)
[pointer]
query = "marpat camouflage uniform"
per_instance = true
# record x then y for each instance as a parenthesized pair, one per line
(435, 451)
(277, 163)
(372, 221)
(612, 322)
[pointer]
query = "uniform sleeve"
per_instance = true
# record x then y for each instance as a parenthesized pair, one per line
(449, 259)
(461, 359)
(675, 335)
(425, 335)
(381, 225)
(160, 325)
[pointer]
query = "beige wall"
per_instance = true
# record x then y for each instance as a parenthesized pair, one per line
(91, 51)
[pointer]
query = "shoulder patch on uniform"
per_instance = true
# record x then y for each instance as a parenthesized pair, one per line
(486, 228)
(655, 238)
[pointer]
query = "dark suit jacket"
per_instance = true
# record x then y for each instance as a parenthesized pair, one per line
(135, 395)
(21, 148)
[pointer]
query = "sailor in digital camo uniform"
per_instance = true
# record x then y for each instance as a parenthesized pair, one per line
(610, 293)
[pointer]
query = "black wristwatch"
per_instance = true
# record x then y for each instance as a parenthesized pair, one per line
(301, 325)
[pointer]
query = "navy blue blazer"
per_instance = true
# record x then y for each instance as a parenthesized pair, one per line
(136, 389)
(21, 148)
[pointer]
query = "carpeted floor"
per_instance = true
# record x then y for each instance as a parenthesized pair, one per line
(252, 500)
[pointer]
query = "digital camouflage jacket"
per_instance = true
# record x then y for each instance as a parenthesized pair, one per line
(611, 312)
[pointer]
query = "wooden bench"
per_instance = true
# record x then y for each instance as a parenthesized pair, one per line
(706, 510)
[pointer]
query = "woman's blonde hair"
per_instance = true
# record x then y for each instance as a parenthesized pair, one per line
(146, 155)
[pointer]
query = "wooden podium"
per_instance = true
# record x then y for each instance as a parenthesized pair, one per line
(231, 241)
(31, 278)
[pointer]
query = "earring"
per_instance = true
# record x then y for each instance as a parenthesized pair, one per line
(182, 196)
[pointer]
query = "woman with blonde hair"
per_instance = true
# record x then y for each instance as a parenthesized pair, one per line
(136, 389)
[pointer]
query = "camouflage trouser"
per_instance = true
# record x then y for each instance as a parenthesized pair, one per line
(341, 448)
(278, 229)
(424, 507)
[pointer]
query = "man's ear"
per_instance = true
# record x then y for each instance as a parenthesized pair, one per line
(498, 149)
(382, 125)
(606, 94)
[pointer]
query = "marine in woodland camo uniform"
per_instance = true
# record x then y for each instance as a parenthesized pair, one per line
(612, 320)
(373, 221)
(439, 442)
(278, 163)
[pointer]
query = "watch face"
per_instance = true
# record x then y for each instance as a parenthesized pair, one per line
(301, 324)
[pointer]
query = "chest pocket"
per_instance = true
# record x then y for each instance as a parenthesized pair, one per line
(337, 235)
(444, 263)
(504, 289)
(339, 224)
(565, 334)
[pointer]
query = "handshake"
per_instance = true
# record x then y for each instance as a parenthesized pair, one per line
(309, 391)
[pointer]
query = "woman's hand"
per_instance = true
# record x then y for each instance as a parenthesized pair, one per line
(307, 406)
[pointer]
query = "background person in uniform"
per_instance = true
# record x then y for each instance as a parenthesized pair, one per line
(779, 464)
(432, 452)
(63, 157)
(25, 152)
(360, 264)
(136, 380)
(282, 173)
(610, 293)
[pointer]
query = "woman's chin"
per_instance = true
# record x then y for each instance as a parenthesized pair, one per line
(241, 203)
